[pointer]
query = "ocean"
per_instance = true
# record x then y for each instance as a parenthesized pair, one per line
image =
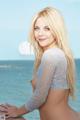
(15, 85)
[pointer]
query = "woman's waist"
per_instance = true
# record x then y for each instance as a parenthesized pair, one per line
(48, 107)
(52, 111)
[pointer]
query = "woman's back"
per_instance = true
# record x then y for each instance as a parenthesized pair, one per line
(56, 107)
(56, 104)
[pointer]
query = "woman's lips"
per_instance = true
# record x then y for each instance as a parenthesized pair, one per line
(42, 39)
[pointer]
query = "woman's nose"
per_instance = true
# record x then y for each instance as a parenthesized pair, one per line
(41, 32)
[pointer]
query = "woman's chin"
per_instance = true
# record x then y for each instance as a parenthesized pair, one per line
(42, 45)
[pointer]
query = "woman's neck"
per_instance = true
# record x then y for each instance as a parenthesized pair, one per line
(50, 46)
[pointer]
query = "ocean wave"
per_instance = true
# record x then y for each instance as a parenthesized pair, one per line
(11, 66)
(5, 66)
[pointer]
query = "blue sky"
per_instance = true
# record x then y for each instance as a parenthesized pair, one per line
(15, 20)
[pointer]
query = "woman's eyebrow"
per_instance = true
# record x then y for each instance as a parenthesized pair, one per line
(36, 26)
(46, 26)
(43, 26)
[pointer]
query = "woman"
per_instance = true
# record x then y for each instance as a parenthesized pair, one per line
(53, 80)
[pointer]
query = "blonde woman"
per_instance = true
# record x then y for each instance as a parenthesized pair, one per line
(54, 79)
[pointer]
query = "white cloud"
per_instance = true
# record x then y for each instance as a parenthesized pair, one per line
(25, 48)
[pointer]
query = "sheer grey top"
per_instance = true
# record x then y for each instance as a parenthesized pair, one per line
(51, 74)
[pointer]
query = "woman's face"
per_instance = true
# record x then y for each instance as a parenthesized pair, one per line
(43, 34)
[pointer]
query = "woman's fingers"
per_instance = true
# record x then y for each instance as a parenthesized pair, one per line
(7, 116)
(9, 110)
(3, 105)
(3, 108)
(8, 105)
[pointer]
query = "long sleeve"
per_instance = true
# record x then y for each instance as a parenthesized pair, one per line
(44, 78)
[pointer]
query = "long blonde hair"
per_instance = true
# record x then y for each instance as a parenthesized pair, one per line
(56, 23)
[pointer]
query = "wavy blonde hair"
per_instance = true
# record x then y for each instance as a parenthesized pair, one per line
(56, 24)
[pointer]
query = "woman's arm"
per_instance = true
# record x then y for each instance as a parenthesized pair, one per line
(12, 111)
(43, 82)
(44, 78)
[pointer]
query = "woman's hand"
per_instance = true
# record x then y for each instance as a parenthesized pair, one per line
(9, 110)
(13, 111)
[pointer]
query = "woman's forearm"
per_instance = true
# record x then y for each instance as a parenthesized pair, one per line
(22, 110)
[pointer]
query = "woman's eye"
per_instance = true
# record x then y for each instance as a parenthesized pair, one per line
(47, 28)
(36, 28)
